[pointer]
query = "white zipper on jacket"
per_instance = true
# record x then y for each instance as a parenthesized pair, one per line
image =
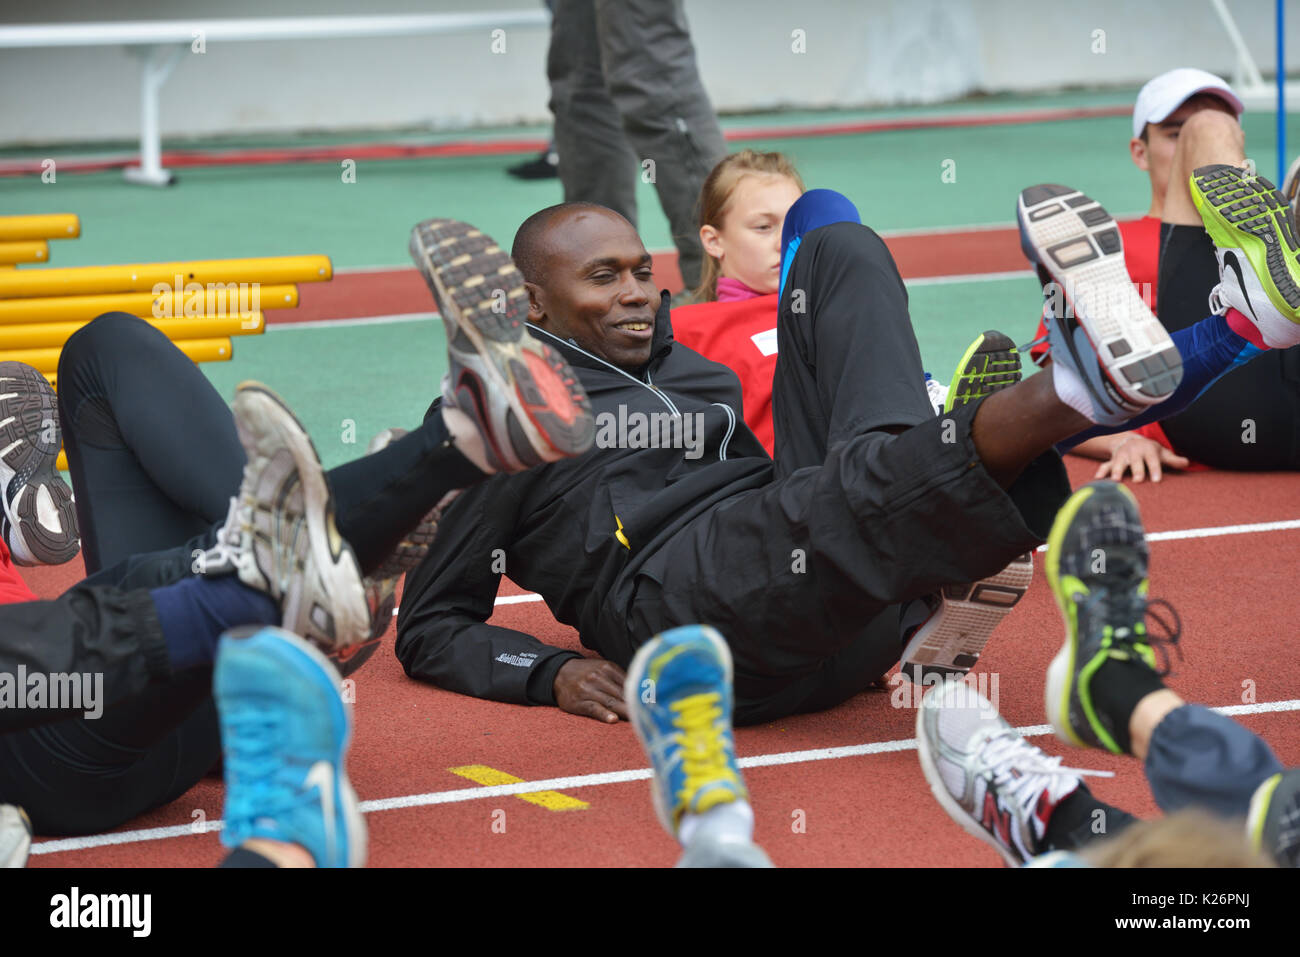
(662, 394)
(573, 345)
(731, 430)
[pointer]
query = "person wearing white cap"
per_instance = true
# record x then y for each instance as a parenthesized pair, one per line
(1183, 120)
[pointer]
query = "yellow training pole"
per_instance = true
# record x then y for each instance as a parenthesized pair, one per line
(162, 277)
(144, 304)
(49, 226)
(47, 360)
(54, 334)
(24, 251)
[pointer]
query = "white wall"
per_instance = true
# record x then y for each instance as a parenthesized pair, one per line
(858, 53)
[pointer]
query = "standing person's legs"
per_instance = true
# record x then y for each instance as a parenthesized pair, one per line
(653, 79)
(597, 164)
(151, 445)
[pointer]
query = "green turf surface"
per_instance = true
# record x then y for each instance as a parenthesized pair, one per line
(895, 178)
(349, 382)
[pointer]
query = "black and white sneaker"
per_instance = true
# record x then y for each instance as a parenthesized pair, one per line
(1097, 324)
(15, 836)
(38, 520)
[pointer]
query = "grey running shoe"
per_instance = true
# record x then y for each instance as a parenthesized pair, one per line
(521, 395)
(280, 536)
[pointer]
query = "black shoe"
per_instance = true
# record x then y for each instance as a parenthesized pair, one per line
(545, 165)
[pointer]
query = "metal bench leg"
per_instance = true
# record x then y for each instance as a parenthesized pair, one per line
(156, 65)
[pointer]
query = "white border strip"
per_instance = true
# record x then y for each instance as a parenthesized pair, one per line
(574, 782)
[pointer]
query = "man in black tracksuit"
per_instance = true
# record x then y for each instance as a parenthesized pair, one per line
(799, 562)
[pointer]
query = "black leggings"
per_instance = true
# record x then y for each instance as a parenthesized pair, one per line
(1216, 429)
(155, 459)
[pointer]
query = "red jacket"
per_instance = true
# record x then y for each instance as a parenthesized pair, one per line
(12, 588)
(742, 336)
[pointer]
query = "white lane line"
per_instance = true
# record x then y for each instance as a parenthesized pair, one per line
(577, 781)
(1216, 531)
(359, 321)
(1177, 534)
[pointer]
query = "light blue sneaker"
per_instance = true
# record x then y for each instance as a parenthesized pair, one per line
(678, 693)
(285, 731)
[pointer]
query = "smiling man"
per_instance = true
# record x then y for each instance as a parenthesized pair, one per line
(801, 562)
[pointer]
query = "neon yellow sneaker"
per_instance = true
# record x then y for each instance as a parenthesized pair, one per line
(1097, 568)
(1255, 239)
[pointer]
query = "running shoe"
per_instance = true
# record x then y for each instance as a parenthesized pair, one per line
(38, 520)
(1097, 569)
(945, 633)
(1097, 325)
(522, 397)
(678, 693)
(990, 780)
(15, 836)
(1273, 822)
(1254, 233)
(1291, 185)
(285, 730)
(280, 536)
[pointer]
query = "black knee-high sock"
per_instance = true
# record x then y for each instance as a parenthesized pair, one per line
(242, 857)
(379, 498)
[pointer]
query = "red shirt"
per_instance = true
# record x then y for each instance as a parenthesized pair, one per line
(12, 588)
(742, 336)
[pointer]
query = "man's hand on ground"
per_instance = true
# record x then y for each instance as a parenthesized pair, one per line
(592, 687)
(1141, 456)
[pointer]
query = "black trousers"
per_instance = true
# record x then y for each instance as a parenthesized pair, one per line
(804, 576)
(1266, 392)
(155, 458)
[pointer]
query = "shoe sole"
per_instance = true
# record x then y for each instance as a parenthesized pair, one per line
(632, 698)
(1059, 686)
(349, 805)
(1245, 212)
(278, 427)
(481, 297)
(28, 409)
(990, 364)
(952, 639)
(930, 768)
(1075, 244)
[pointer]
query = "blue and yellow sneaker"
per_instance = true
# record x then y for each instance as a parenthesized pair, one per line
(285, 731)
(678, 693)
(1097, 569)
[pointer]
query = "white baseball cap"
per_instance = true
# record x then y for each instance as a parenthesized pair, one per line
(1167, 92)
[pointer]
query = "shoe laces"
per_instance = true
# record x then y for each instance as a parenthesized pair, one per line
(254, 761)
(703, 748)
(1218, 304)
(225, 554)
(1021, 771)
(1128, 640)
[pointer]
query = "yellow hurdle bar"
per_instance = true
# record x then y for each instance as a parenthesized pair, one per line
(25, 251)
(47, 360)
(171, 277)
(46, 335)
(146, 305)
(49, 226)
